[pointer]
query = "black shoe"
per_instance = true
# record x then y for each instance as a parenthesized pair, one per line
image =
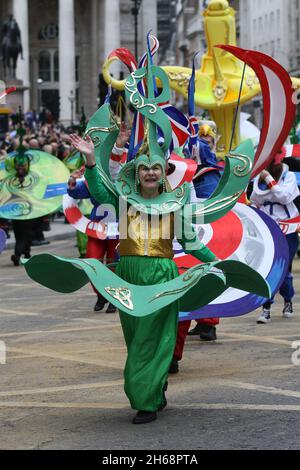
(15, 259)
(35, 243)
(39, 242)
(111, 308)
(99, 305)
(208, 332)
(143, 417)
(27, 256)
(195, 331)
(44, 242)
(174, 367)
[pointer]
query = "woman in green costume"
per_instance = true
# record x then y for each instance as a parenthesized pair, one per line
(145, 259)
(146, 287)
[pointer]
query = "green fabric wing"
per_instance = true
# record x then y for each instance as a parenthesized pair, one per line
(233, 183)
(196, 287)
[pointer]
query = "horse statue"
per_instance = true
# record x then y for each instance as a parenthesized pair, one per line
(11, 47)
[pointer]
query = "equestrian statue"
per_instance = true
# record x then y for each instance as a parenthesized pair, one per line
(11, 46)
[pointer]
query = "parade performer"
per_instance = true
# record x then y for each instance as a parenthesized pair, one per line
(29, 180)
(146, 286)
(23, 229)
(274, 193)
(208, 175)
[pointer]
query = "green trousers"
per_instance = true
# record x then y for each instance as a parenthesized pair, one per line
(150, 340)
(82, 239)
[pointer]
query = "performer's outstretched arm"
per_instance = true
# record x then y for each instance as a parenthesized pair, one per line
(96, 187)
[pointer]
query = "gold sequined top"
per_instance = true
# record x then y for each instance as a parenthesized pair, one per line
(145, 235)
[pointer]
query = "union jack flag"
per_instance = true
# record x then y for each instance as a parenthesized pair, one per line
(180, 125)
(194, 125)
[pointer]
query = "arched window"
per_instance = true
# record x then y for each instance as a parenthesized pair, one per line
(45, 66)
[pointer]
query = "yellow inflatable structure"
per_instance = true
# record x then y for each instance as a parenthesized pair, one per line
(218, 81)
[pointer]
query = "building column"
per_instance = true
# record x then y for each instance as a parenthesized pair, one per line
(112, 32)
(95, 55)
(20, 12)
(67, 84)
(148, 19)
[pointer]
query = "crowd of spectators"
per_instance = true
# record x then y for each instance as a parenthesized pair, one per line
(42, 133)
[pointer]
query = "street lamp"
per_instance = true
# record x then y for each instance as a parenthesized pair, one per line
(135, 12)
(72, 99)
(39, 82)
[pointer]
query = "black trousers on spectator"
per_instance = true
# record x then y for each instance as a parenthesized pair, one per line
(37, 229)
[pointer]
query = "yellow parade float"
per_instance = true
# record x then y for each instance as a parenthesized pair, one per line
(218, 81)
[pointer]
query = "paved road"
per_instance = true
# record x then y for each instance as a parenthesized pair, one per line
(62, 387)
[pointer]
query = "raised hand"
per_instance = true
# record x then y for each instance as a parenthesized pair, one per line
(84, 146)
(73, 176)
(123, 136)
(264, 174)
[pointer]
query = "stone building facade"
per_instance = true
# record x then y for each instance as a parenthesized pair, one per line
(273, 27)
(65, 43)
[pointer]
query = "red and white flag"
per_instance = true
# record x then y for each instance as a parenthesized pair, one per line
(291, 151)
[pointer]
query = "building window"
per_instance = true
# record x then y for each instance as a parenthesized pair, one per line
(45, 66)
(272, 48)
(56, 66)
(77, 100)
(267, 47)
(278, 19)
(77, 68)
(272, 17)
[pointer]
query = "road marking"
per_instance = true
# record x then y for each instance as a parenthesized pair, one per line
(214, 375)
(97, 350)
(114, 406)
(259, 339)
(91, 320)
(18, 356)
(11, 393)
(55, 295)
(17, 312)
(294, 335)
(13, 284)
(67, 357)
(65, 330)
(238, 406)
(34, 404)
(261, 388)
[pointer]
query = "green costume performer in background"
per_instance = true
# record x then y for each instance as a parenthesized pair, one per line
(146, 286)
